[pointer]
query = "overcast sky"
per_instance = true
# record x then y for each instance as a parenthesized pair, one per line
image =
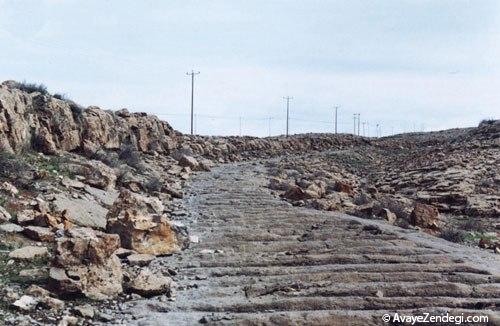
(402, 64)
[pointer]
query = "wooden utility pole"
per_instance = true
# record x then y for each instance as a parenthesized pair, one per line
(192, 74)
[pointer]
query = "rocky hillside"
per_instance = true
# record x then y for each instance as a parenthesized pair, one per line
(89, 197)
(446, 183)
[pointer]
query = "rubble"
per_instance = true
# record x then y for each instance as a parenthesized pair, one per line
(85, 264)
(142, 227)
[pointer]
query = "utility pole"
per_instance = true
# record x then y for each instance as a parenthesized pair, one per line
(192, 74)
(364, 129)
(377, 130)
(336, 109)
(287, 98)
(240, 126)
(368, 128)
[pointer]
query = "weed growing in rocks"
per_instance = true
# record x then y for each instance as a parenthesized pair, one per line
(454, 235)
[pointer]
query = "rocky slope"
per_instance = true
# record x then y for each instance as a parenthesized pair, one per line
(90, 198)
(444, 182)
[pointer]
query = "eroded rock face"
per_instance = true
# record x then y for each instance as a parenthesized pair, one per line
(53, 125)
(85, 264)
(140, 223)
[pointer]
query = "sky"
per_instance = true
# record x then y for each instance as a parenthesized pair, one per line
(405, 65)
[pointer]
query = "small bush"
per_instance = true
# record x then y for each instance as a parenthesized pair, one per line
(454, 235)
(32, 87)
(62, 97)
(11, 166)
(473, 224)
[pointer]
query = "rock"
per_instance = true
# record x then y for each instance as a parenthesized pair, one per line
(147, 284)
(4, 215)
(47, 220)
(9, 188)
(82, 212)
(26, 217)
(344, 187)
(387, 215)
(26, 303)
(189, 161)
(68, 321)
(85, 264)
(425, 216)
(139, 222)
(296, 193)
(279, 184)
(140, 259)
(123, 253)
(45, 297)
(85, 311)
(33, 273)
(70, 183)
(29, 253)
(96, 173)
(10, 228)
(39, 233)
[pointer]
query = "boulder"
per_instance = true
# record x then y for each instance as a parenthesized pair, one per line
(85, 311)
(39, 233)
(11, 228)
(387, 215)
(9, 188)
(29, 253)
(4, 215)
(140, 223)
(26, 216)
(344, 187)
(296, 193)
(85, 264)
(140, 259)
(148, 284)
(25, 303)
(82, 212)
(45, 298)
(96, 173)
(425, 216)
(189, 161)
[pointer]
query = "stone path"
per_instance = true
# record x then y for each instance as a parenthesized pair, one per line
(261, 261)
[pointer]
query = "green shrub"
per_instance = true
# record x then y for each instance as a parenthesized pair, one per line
(454, 235)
